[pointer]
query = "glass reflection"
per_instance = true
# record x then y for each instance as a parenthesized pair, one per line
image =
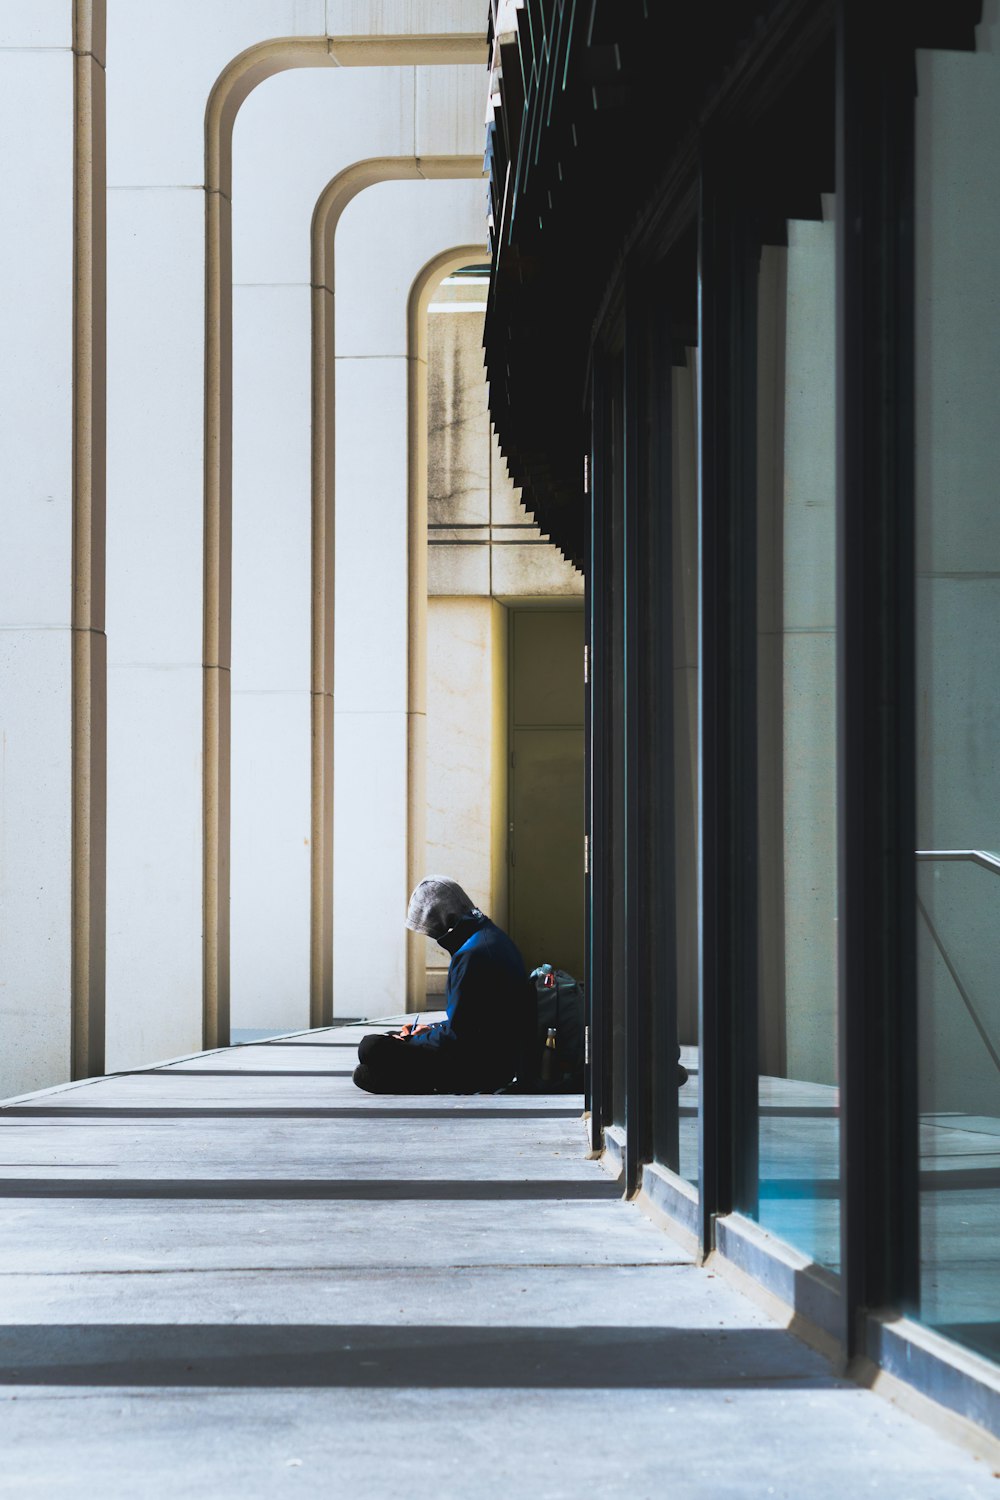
(799, 1179)
(957, 343)
(684, 490)
(958, 937)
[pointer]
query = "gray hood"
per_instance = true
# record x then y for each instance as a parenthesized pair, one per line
(437, 904)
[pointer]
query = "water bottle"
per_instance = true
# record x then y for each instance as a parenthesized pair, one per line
(549, 1055)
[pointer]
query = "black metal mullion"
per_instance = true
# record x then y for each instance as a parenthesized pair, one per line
(614, 702)
(637, 830)
(728, 819)
(599, 999)
(659, 748)
(876, 710)
(588, 773)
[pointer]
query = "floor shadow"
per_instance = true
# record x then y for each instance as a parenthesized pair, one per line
(984, 1337)
(345, 1046)
(421, 1357)
(806, 1188)
(233, 1073)
(336, 1112)
(276, 1189)
(125, 1113)
(798, 1112)
(961, 1179)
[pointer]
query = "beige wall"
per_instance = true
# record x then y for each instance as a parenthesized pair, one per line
(466, 759)
(499, 801)
(322, 104)
(36, 547)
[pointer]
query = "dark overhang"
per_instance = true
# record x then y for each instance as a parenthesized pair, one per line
(598, 113)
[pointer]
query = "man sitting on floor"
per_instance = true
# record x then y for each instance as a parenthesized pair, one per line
(475, 1049)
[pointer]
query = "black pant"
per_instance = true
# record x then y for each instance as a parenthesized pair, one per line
(390, 1065)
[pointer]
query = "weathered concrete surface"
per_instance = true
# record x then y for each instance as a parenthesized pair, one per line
(238, 1276)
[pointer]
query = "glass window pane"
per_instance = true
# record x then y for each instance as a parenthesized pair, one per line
(684, 492)
(799, 1187)
(958, 684)
(616, 745)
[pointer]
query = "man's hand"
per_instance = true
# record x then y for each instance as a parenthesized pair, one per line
(409, 1031)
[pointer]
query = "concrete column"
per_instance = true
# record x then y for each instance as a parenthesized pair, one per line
(156, 477)
(51, 546)
(376, 267)
(277, 178)
(370, 119)
(466, 760)
(169, 567)
(958, 563)
(466, 752)
(232, 88)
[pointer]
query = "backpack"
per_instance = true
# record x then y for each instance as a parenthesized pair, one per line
(554, 1044)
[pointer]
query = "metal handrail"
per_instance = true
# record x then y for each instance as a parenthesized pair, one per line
(987, 861)
(974, 856)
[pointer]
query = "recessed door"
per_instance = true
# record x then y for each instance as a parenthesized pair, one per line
(547, 787)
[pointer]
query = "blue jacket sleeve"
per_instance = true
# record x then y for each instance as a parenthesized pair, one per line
(436, 1033)
(469, 1013)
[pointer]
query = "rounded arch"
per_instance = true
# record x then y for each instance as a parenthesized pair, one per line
(242, 75)
(427, 279)
(330, 206)
(233, 86)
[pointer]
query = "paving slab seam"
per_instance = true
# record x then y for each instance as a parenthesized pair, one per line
(347, 1267)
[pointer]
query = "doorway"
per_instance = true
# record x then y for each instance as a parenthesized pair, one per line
(546, 786)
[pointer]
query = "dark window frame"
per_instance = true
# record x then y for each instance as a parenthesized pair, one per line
(877, 1028)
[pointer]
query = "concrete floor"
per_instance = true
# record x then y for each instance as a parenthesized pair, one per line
(238, 1276)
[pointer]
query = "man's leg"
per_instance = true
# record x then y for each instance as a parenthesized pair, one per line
(387, 1065)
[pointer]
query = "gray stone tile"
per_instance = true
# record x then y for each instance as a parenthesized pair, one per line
(254, 1279)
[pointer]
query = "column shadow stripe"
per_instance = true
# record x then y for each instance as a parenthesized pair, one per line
(233, 1073)
(308, 1189)
(124, 1113)
(414, 1357)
